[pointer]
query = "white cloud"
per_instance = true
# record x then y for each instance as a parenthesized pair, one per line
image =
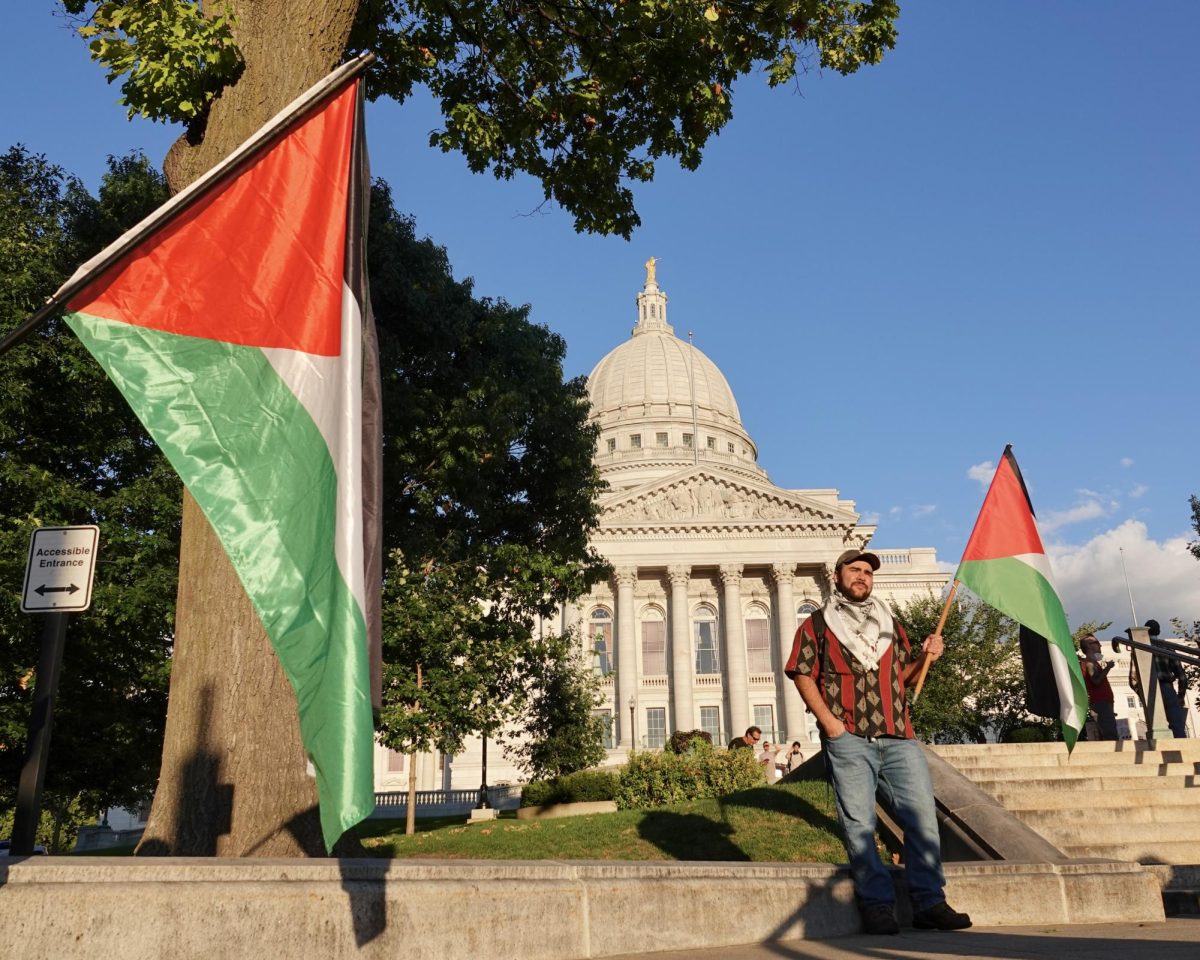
(923, 510)
(1127, 461)
(895, 511)
(1140, 490)
(1088, 510)
(869, 518)
(1163, 576)
(982, 473)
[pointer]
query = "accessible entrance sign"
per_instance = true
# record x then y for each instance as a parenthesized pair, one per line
(58, 576)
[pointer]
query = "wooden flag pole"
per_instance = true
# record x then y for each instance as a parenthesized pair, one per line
(940, 624)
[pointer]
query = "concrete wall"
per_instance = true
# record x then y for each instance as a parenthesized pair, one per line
(146, 909)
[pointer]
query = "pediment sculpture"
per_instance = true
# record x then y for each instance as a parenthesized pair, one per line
(704, 499)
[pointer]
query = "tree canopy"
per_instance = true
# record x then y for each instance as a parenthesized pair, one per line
(489, 491)
(585, 95)
(72, 452)
(1194, 545)
(976, 688)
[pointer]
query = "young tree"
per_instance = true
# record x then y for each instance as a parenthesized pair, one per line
(977, 687)
(558, 732)
(1194, 545)
(72, 452)
(490, 494)
(585, 96)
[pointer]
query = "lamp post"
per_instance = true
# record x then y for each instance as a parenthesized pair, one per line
(483, 788)
(632, 724)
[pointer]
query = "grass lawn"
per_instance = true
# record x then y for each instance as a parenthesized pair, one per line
(792, 822)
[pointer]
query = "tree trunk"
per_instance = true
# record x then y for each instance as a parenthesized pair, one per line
(234, 778)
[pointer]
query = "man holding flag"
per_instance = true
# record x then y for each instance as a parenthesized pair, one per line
(851, 662)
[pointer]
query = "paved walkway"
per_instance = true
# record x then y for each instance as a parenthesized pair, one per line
(1176, 939)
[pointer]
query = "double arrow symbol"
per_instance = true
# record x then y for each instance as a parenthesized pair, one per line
(43, 590)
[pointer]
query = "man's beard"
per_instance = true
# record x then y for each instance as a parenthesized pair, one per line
(858, 592)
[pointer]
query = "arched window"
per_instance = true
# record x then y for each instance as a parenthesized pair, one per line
(654, 642)
(807, 609)
(704, 625)
(758, 639)
(600, 640)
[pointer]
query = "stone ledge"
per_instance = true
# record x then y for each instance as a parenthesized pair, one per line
(552, 811)
(68, 908)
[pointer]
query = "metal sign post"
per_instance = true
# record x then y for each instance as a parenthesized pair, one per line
(58, 581)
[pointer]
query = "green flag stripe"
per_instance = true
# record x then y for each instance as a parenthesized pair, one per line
(1020, 591)
(259, 469)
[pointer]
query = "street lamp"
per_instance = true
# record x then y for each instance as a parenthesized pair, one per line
(632, 725)
(483, 787)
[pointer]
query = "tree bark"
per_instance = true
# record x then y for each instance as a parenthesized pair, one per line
(234, 778)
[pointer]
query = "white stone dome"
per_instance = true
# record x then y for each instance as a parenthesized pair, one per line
(662, 404)
(654, 368)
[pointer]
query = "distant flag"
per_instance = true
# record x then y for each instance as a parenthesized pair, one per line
(1005, 565)
(233, 320)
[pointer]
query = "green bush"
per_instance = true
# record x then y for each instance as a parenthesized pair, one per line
(681, 740)
(1029, 734)
(586, 786)
(657, 779)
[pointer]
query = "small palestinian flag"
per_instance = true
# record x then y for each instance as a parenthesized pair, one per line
(1005, 565)
(233, 321)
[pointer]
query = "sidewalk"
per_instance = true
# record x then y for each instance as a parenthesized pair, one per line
(1176, 939)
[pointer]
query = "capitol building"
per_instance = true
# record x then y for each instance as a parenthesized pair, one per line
(713, 564)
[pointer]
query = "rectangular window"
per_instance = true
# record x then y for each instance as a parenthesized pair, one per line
(601, 650)
(606, 727)
(635, 441)
(654, 648)
(660, 439)
(395, 762)
(758, 646)
(656, 727)
(710, 723)
(687, 440)
(764, 719)
(708, 660)
(612, 444)
(730, 446)
(712, 443)
(1132, 702)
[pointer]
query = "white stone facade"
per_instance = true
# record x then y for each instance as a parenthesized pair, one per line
(714, 565)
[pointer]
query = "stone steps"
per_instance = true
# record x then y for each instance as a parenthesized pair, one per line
(1088, 772)
(1087, 830)
(1055, 797)
(1187, 747)
(1180, 851)
(1113, 814)
(1035, 781)
(1129, 801)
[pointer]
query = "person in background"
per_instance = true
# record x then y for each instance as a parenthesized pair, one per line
(746, 740)
(1099, 690)
(793, 758)
(767, 759)
(1172, 685)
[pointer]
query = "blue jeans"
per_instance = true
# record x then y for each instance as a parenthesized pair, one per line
(897, 770)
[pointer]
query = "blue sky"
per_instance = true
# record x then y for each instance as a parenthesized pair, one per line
(993, 237)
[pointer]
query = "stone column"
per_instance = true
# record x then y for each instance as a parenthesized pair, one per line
(737, 688)
(681, 649)
(570, 620)
(792, 706)
(626, 652)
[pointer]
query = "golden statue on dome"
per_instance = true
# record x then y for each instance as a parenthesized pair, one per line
(651, 266)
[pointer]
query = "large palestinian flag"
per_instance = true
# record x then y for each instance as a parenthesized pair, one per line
(1005, 565)
(234, 326)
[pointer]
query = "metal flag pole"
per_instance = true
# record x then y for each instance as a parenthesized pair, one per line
(1132, 609)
